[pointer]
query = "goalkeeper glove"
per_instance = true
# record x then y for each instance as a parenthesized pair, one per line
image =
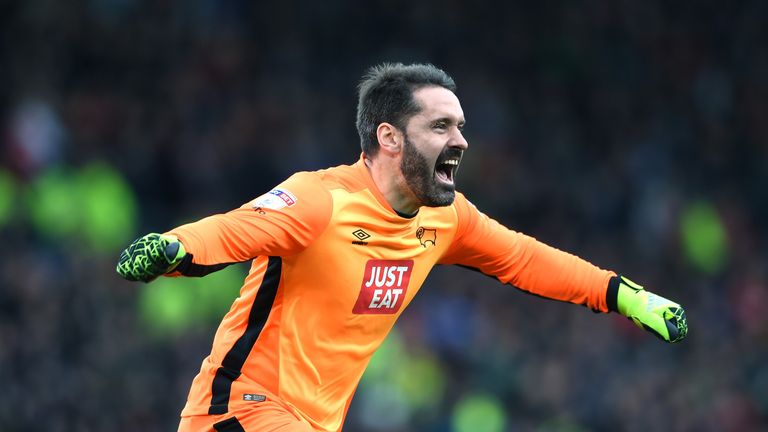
(149, 257)
(662, 317)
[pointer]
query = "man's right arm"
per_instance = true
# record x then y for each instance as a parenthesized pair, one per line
(281, 222)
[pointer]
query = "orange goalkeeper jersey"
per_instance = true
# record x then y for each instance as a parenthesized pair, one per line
(333, 267)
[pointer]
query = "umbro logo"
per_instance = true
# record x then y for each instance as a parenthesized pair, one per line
(361, 236)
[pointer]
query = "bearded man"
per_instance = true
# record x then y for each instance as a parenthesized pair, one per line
(338, 254)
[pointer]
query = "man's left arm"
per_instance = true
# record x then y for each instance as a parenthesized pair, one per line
(532, 266)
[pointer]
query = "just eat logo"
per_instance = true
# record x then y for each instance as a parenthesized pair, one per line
(385, 283)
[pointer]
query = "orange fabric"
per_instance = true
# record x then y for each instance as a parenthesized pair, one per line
(333, 268)
(520, 260)
(266, 416)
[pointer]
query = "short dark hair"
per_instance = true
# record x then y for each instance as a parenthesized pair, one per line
(385, 94)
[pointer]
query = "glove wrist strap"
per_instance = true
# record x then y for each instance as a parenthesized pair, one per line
(612, 295)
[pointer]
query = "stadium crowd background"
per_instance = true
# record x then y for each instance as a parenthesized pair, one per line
(632, 133)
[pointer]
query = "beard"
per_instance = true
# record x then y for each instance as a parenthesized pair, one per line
(420, 178)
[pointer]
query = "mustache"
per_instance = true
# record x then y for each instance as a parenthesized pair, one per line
(450, 153)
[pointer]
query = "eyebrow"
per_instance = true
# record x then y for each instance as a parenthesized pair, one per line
(447, 120)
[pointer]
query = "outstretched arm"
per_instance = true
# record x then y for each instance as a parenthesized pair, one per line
(281, 222)
(532, 266)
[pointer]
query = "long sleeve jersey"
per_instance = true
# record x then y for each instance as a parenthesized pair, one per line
(333, 267)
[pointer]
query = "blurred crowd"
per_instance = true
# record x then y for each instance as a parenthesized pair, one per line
(631, 133)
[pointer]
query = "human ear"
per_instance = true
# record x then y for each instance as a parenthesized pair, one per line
(389, 138)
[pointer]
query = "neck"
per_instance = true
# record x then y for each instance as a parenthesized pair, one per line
(385, 172)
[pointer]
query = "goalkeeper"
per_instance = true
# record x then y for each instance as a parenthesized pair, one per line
(338, 254)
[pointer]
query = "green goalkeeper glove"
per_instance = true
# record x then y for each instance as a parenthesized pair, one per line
(662, 317)
(149, 257)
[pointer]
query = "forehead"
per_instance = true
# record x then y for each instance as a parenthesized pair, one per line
(438, 102)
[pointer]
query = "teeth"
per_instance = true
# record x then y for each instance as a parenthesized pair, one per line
(451, 162)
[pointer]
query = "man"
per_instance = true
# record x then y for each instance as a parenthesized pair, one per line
(339, 253)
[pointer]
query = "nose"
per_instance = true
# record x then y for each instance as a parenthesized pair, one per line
(459, 141)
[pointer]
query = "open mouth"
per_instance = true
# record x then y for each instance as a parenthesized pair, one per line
(445, 171)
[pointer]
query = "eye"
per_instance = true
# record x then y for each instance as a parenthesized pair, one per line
(439, 125)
